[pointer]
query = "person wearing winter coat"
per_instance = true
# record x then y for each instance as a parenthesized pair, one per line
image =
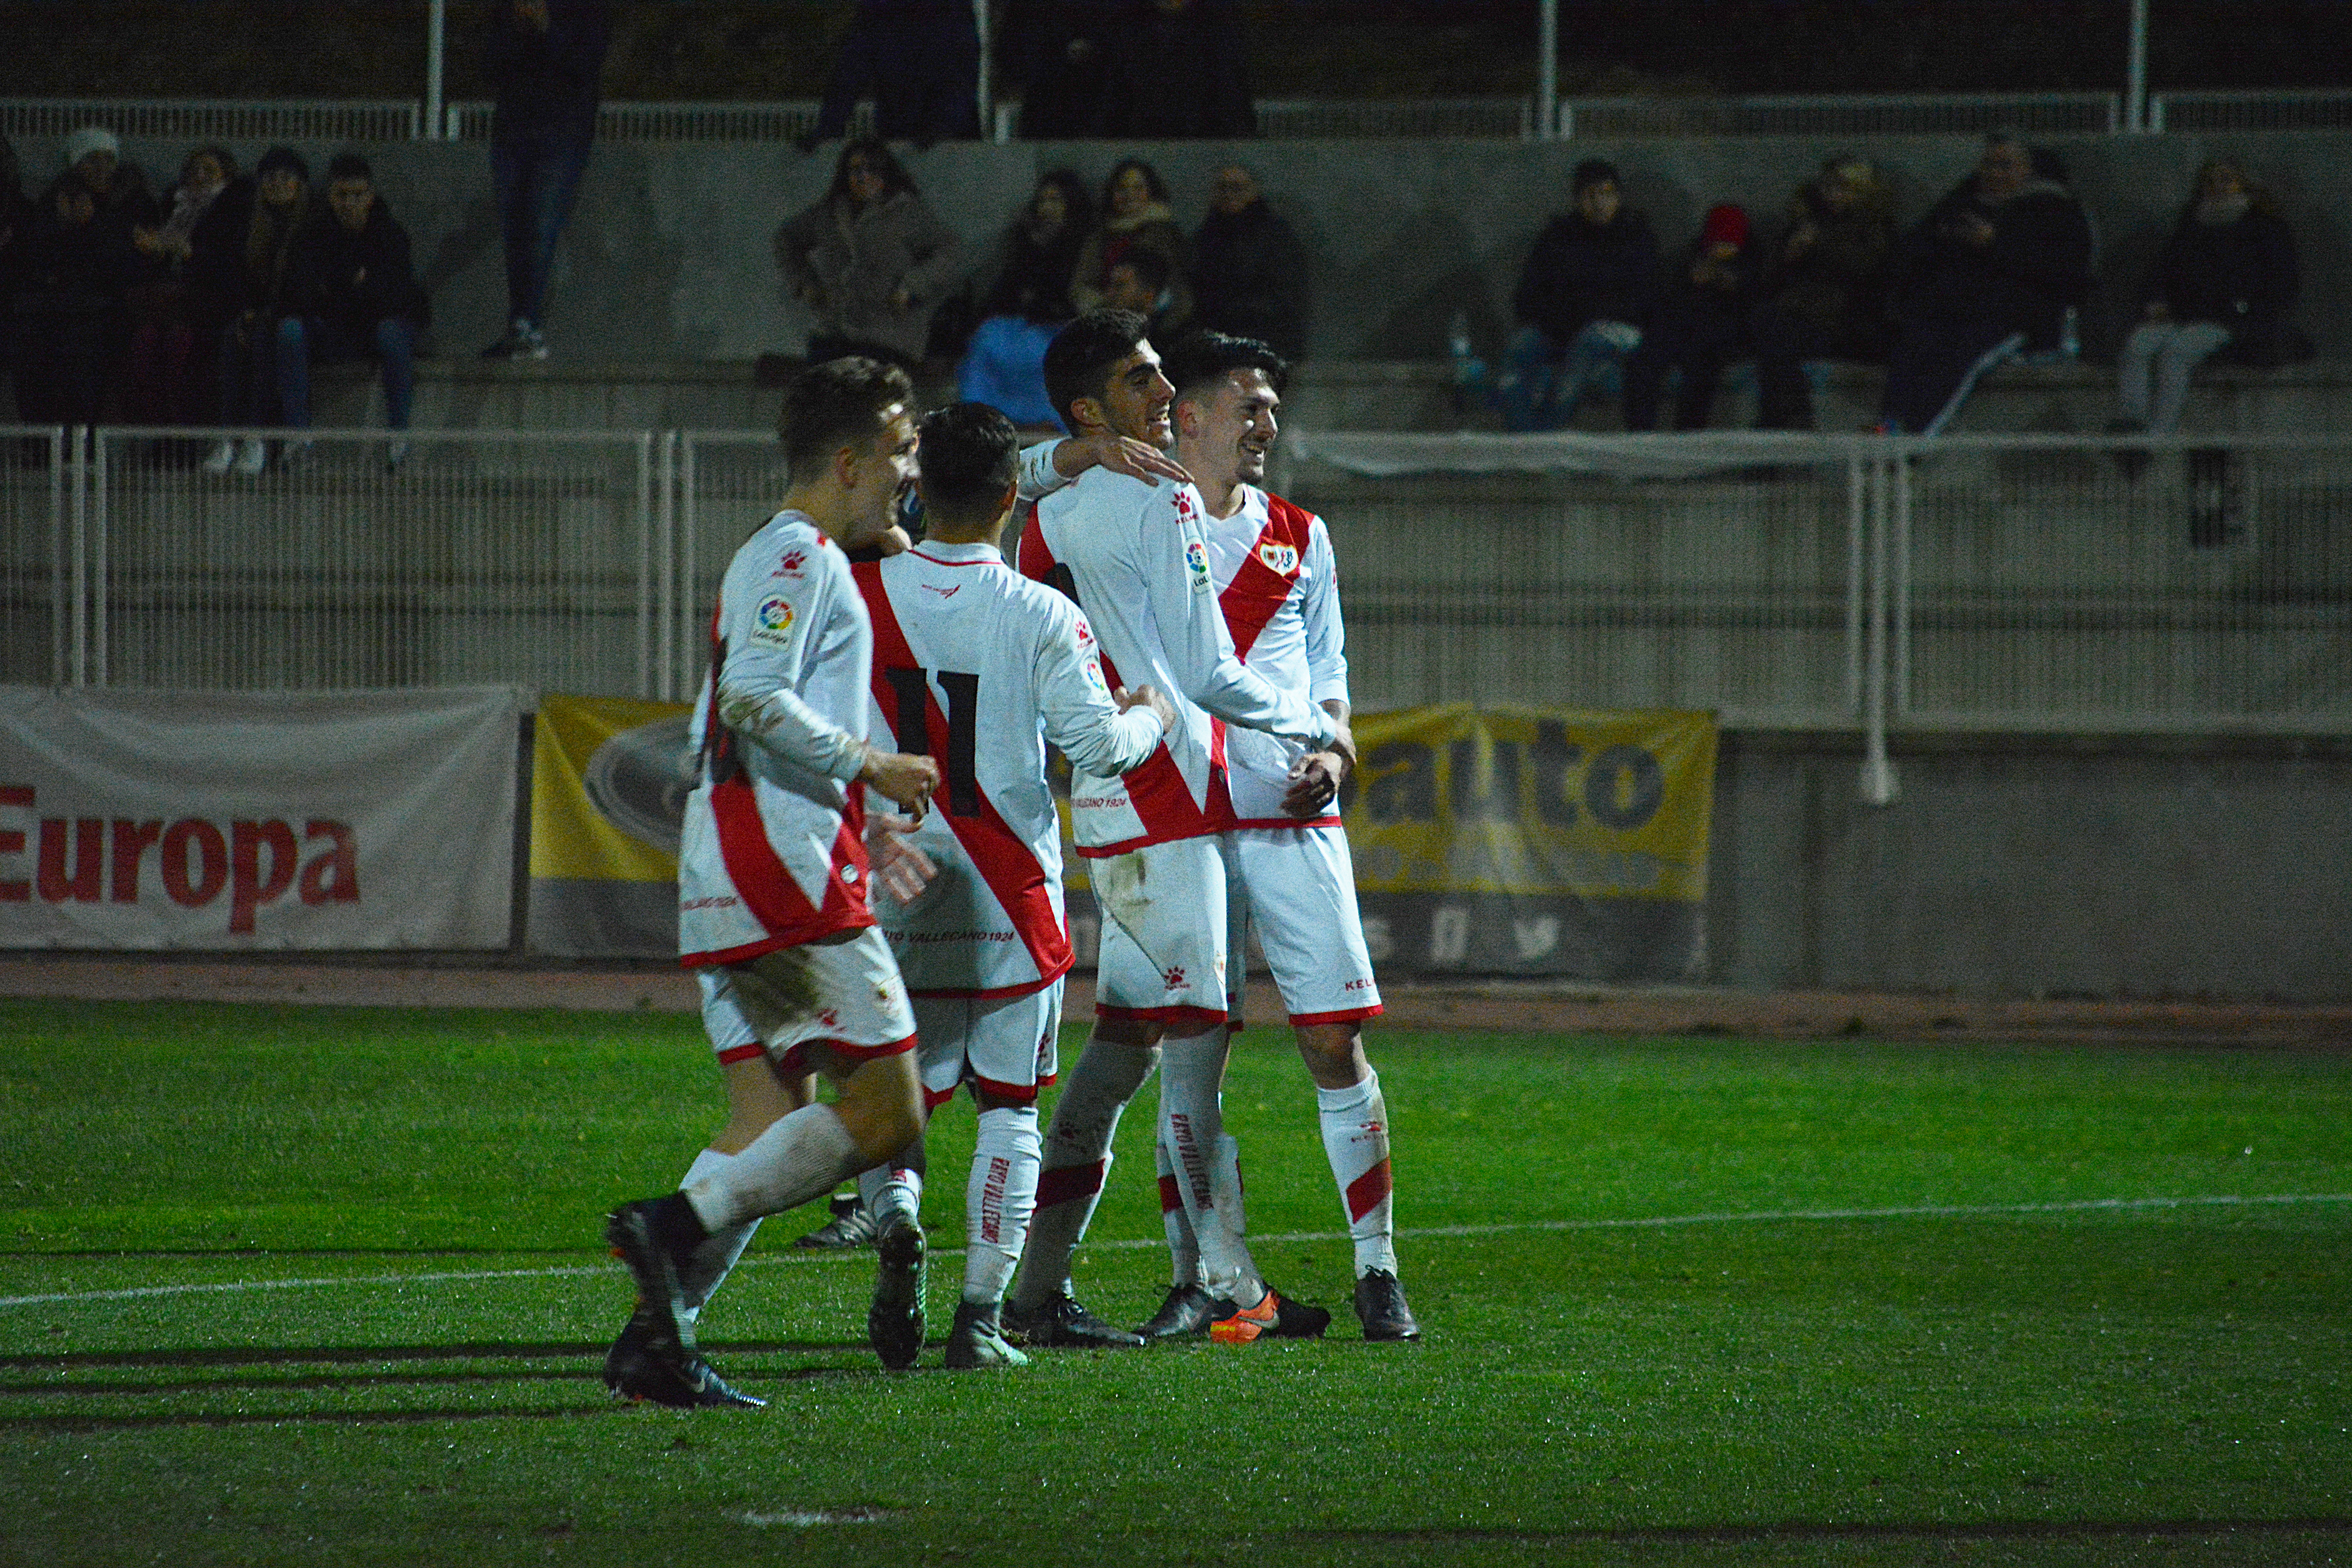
(1135, 216)
(355, 295)
(1989, 272)
(1699, 323)
(74, 276)
(870, 260)
(1249, 270)
(1004, 363)
(1587, 286)
(179, 307)
(260, 284)
(2224, 284)
(1825, 288)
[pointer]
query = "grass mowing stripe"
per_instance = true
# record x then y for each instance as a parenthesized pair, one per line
(1763, 1216)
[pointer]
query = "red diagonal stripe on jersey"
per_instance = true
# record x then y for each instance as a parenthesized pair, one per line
(1369, 1190)
(1069, 1184)
(1003, 860)
(766, 885)
(1257, 590)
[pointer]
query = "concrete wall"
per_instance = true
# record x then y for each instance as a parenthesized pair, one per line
(669, 255)
(2017, 866)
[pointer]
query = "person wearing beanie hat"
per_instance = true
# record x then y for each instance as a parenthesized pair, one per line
(1699, 324)
(93, 155)
(1583, 295)
(92, 141)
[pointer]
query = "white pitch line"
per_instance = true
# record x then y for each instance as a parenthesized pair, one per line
(1759, 1217)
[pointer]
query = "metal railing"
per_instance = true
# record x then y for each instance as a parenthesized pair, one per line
(2048, 584)
(1844, 115)
(219, 120)
(2316, 109)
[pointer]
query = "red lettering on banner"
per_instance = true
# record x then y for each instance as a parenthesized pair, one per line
(12, 842)
(212, 855)
(331, 875)
(89, 859)
(249, 886)
(130, 841)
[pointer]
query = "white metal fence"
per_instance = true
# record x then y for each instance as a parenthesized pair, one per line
(2032, 583)
(219, 120)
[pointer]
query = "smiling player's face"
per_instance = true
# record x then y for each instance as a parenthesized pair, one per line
(1135, 401)
(1236, 428)
(885, 471)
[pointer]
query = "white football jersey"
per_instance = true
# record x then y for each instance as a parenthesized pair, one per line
(772, 851)
(1278, 586)
(977, 667)
(1133, 556)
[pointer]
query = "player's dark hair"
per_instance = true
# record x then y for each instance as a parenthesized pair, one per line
(1078, 360)
(1200, 362)
(969, 454)
(834, 404)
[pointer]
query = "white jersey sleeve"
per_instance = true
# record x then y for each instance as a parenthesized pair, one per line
(1183, 598)
(1326, 635)
(1075, 703)
(1039, 478)
(769, 624)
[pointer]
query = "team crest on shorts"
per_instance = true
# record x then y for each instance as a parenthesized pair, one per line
(1281, 560)
(773, 623)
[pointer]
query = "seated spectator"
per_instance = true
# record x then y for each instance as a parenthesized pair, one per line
(1989, 272)
(919, 61)
(1134, 216)
(870, 260)
(1249, 271)
(2224, 283)
(354, 295)
(262, 293)
(1141, 281)
(1004, 364)
(179, 308)
(78, 268)
(120, 189)
(1588, 284)
(1699, 325)
(1175, 69)
(1825, 288)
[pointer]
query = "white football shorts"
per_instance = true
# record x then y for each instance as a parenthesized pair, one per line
(1164, 935)
(1296, 887)
(844, 993)
(1004, 1044)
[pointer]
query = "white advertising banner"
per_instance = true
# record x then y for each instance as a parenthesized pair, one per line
(228, 820)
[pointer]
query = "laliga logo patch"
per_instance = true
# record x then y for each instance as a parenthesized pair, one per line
(1094, 677)
(774, 621)
(1196, 556)
(1280, 559)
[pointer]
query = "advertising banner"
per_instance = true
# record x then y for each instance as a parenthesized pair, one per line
(1535, 843)
(226, 820)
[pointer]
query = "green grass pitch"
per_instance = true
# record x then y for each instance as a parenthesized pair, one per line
(321, 1286)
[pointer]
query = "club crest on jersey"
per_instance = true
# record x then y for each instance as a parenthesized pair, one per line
(773, 623)
(1196, 558)
(1281, 560)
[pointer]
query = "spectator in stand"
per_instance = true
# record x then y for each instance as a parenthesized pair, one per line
(1249, 271)
(1825, 288)
(17, 216)
(1988, 273)
(1054, 49)
(355, 295)
(1176, 70)
(179, 308)
(264, 285)
(1004, 365)
(2224, 284)
(870, 260)
(546, 57)
(79, 266)
(1588, 284)
(1699, 324)
(1134, 216)
(124, 200)
(919, 61)
(1142, 282)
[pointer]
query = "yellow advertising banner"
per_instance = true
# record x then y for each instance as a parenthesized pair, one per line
(608, 782)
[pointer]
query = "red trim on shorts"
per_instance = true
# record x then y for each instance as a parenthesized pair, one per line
(1369, 1190)
(751, 950)
(1069, 1184)
(795, 1059)
(1346, 1016)
(1019, 1093)
(934, 1099)
(1127, 846)
(733, 1053)
(1206, 1018)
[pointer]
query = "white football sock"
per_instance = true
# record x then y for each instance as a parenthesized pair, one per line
(894, 1189)
(999, 1199)
(798, 1158)
(1075, 1159)
(1184, 1249)
(718, 1253)
(1193, 1126)
(1356, 1141)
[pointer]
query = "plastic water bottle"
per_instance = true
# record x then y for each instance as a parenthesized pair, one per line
(2070, 335)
